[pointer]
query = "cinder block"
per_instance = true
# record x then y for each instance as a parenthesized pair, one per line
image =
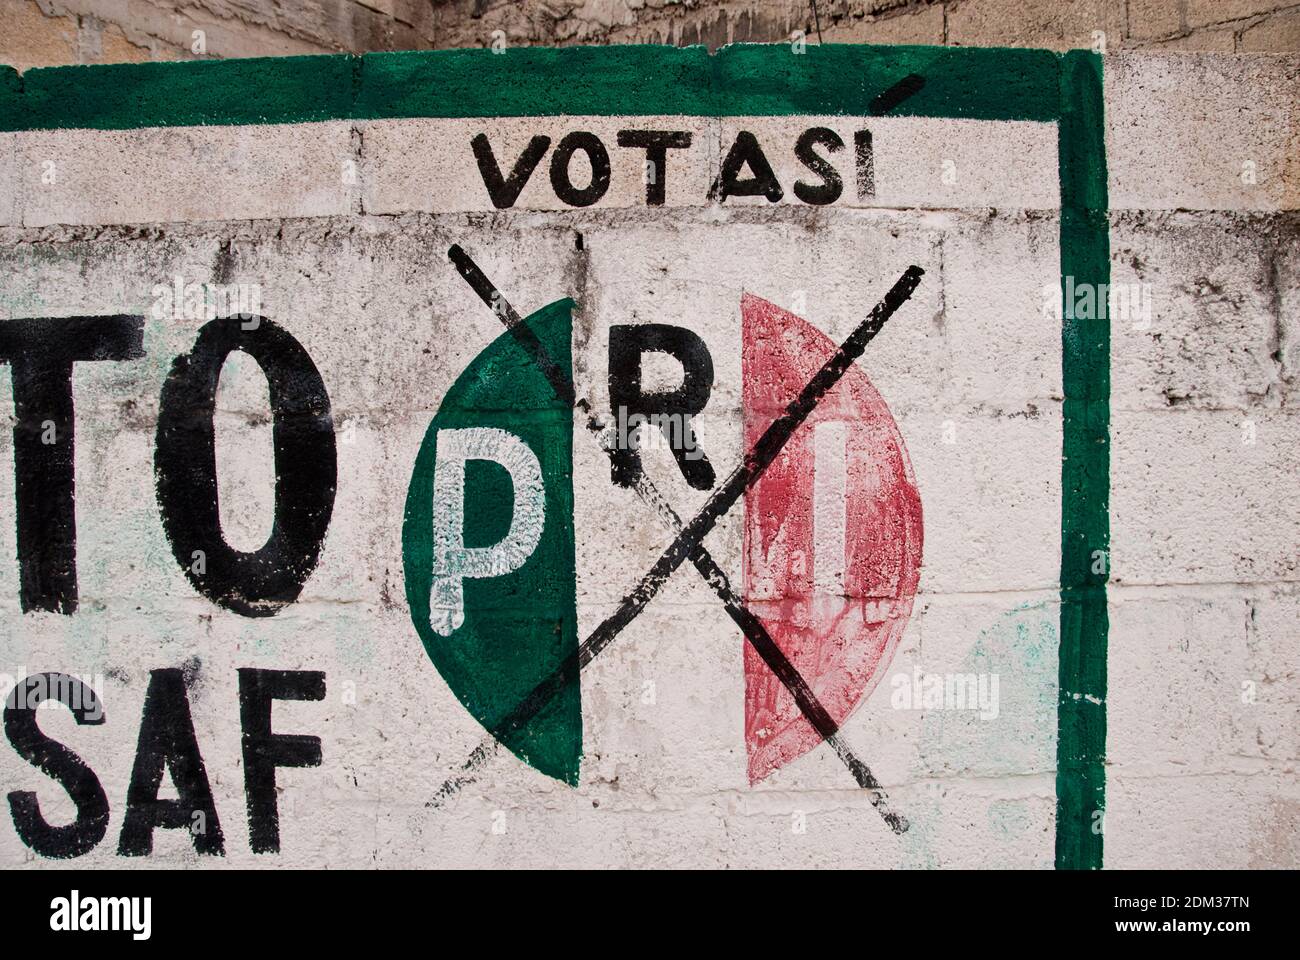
(916, 161)
(32, 39)
(1201, 316)
(109, 43)
(1205, 40)
(1221, 820)
(1197, 680)
(192, 174)
(998, 321)
(1013, 638)
(1015, 23)
(919, 25)
(430, 164)
(1196, 132)
(1201, 12)
(420, 322)
(1230, 525)
(1278, 33)
(666, 699)
(1151, 19)
(988, 527)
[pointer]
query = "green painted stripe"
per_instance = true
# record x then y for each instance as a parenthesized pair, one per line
(1085, 474)
(184, 93)
(536, 81)
(746, 79)
(983, 84)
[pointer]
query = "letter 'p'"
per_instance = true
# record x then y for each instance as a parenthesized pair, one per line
(453, 561)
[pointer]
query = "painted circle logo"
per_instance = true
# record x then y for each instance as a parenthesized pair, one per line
(832, 529)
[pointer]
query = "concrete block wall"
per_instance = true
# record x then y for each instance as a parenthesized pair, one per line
(342, 226)
(42, 33)
(1188, 401)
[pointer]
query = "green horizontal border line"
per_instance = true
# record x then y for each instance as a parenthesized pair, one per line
(747, 79)
(739, 80)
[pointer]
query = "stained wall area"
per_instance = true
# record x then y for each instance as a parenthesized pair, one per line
(58, 32)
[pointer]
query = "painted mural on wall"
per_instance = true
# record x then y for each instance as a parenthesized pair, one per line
(832, 541)
(765, 467)
(833, 527)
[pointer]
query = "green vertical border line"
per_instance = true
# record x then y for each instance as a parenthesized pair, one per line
(738, 80)
(1085, 472)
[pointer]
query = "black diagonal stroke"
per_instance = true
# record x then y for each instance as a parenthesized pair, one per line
(750, 625)
(689, 541)
(909, 86)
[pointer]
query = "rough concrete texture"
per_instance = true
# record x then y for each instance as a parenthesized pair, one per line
(234, 173)
(56, 32)
(344, 227)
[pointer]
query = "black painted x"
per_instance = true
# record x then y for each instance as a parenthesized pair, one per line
(689, 540)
